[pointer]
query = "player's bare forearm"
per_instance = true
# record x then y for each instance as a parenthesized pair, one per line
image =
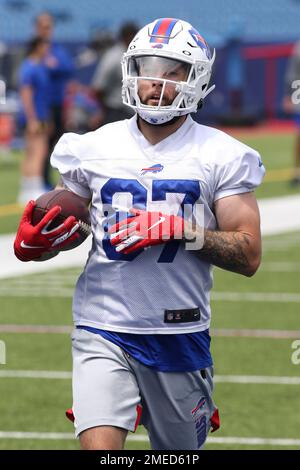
(236, 245)
(233, 251)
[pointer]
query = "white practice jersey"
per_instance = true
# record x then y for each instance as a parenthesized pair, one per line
(116, 166)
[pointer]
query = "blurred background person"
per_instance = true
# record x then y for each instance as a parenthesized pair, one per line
(82, 112)
(107, 81)
(291, 106)
(89, 55)
(235, 70)
(34, 85)
(61, 71)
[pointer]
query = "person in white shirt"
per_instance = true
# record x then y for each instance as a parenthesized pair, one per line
(169, 198)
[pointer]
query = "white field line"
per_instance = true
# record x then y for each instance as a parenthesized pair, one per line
(48, 329)
(285, 297)
(69, 280)
(36, 435)
(255, 441)
(277, 245)
(280, 267)
(72, 278)
(36, 291)
(41, 282)
(32, 291)
(35, 374)
(256, 379)
(253, 333)
(221, 332)
(234, 379)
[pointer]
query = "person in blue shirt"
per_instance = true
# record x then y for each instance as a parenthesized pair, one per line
(61, 70)
(34, 85)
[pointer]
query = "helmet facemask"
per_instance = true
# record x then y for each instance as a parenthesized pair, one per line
(172, 89)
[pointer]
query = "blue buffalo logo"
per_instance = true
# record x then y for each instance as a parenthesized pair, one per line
(200, 41)
(153, 169)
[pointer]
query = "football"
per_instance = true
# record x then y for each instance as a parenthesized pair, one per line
(70, 204)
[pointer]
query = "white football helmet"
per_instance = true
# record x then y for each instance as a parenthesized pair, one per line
(176, 60)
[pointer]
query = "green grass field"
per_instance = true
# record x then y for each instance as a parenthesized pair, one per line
(248, 410)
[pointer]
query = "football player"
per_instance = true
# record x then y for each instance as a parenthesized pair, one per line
(141, 343)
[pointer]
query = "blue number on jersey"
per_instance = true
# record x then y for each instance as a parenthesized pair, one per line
(160, 188)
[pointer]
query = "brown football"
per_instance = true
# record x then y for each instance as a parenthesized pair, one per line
(70, 204)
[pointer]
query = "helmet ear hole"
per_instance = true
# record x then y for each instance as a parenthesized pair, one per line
(199, 105)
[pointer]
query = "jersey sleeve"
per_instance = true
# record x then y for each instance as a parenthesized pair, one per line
(70, 166)
(241, 174)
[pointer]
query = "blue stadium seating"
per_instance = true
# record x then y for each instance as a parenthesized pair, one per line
(258, 20)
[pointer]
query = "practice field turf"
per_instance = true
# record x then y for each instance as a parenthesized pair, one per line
(255, 323)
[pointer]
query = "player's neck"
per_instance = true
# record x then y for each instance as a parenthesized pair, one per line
(155, 134)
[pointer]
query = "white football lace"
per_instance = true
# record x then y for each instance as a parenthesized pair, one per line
(85, 228)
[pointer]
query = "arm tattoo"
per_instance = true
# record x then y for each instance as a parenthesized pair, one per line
(228, 250)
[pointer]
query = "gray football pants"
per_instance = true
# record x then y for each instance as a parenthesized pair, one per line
(110, 387)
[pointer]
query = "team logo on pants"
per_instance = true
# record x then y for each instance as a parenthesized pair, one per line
(200, 421)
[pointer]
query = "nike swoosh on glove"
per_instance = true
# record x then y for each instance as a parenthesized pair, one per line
(145, 229)
(32, 241)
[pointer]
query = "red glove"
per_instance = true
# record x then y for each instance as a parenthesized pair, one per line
(33, 241)
(145, 229)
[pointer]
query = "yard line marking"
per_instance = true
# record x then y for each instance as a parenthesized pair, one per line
(36, 292)
(221, 332)
(36, 435)
(280, 267)
(26, 283)
(57, 436)
(35, 374)
(281, 243)
(253, 333)
(69, 280)
(144, 438)
(55, 329)
(256, 379)
(32, 291)
(286, 297)
(255, 441)
(234, 379)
